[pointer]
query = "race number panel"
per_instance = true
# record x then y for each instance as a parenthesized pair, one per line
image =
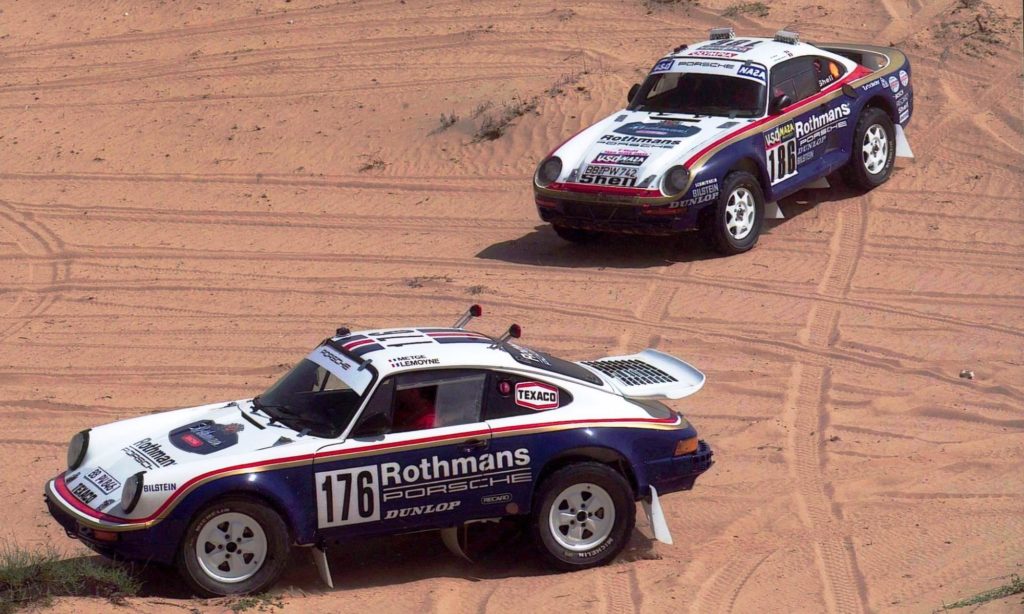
(781, 161)
(347, 496)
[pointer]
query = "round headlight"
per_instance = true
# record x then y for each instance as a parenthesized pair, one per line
(548, 171)
(131, 492)
(76, 449)
(675, 180)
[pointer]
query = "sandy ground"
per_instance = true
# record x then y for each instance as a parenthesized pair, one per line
(193, 194)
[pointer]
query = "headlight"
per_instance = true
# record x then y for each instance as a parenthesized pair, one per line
(76, 449)
(131, 492)
(675, 180)
(548, 171)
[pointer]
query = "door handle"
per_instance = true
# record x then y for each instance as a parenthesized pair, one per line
(473, 445)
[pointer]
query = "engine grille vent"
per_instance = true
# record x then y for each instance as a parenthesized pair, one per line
(631, 372)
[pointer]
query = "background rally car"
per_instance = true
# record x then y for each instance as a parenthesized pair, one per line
(721, 130)
(386, 432)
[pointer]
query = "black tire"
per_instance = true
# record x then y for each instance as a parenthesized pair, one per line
(856, 173)
(718, 219)
(574, 235)
(551, 494)
(278, 546)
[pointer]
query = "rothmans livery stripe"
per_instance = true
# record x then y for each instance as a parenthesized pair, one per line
(116, 523)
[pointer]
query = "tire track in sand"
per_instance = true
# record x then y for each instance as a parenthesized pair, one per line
(44, 255)
(843, 587)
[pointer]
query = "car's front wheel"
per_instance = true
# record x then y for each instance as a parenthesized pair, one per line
(234, 547)
(733, 224)
(874, 150)
(583, 516)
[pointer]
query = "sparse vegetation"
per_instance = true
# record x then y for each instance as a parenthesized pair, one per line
(979, 28)
(1014, 587)
(558, 87)
(758, 9)
(372, 162)
(420, 281)
(264, 602)
(34, 577)
(493, 125)
(447, 121)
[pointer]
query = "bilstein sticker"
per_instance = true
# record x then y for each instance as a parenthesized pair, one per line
(536, 395)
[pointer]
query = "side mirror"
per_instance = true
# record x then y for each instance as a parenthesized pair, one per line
(632, 92)
(779, 103)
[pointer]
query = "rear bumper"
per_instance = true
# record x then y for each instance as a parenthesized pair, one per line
(680, 472)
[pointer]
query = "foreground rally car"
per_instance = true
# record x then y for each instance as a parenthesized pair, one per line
(384, 432)
(721, 130)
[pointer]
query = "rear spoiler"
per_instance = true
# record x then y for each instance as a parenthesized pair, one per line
(648, 375)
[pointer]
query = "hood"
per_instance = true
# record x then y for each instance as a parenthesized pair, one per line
(633, 149)
(170, 448)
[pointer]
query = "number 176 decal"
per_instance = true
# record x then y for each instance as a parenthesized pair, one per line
(347, 496)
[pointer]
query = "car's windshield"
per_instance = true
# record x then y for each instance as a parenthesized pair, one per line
(700, 94)
(321, 394)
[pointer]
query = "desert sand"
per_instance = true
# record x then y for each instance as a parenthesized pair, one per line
(193, 194)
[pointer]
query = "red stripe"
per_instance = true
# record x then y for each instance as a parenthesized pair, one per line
(470, 335)
(857, 73)
(354, 344)
(88, 511)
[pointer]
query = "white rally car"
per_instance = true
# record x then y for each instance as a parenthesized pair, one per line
(722, 129)
(383, 432)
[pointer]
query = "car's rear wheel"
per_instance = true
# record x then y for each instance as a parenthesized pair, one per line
(583, 516)
(874, 150)
(233, 547)
(733, 224)
(574, 235)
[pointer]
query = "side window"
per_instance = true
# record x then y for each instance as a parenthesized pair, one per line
(827, 71)
(514, 395)
(424, 400)
(795, 78)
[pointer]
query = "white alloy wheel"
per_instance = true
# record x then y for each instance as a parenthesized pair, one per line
(875, 149)
(739, 213)
(231, 547)
(582, 517)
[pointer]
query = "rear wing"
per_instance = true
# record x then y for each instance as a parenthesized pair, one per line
(648, 375)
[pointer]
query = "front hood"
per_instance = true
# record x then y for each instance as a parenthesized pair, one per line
(170, 448)
(633, 149)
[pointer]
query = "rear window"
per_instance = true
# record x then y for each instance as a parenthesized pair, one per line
(547, 362)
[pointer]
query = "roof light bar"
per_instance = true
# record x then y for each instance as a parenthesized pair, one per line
(785, 36)
(475, 311)
(718, 34)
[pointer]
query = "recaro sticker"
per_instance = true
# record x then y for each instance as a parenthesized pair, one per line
(536, 395)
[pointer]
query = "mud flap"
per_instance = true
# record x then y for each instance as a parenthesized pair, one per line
(773, 212)
(902, 144)
(320, 559)
(454, 538)
(656, 517)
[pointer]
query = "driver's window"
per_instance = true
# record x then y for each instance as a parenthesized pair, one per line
(795, 78)
(424, 400)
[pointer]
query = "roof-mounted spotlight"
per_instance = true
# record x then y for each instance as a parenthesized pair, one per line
(785, 36)
(475, 311)
(513, 332)
(342, 331)
(718, 34)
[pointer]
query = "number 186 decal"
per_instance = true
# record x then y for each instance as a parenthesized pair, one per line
(347, 496)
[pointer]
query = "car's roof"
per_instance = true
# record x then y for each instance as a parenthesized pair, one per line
(762, 50)
(398, 349)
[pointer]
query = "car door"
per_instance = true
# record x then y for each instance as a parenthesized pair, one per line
(805, 146)
(414, 457)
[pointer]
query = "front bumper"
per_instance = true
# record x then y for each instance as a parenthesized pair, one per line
(616, 218)
(680, 472)
(157, 544)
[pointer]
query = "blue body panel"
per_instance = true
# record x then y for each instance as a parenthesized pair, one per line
(432, 486)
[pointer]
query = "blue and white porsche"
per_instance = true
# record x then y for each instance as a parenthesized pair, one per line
(383, 432)
(721, 130)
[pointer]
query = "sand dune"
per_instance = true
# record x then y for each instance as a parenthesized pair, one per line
(192, 193)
